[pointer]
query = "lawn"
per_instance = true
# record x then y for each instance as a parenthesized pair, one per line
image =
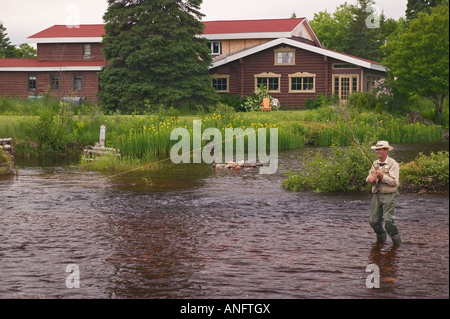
(60, 128)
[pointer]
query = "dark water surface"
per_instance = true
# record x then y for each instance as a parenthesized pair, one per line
(185, 231)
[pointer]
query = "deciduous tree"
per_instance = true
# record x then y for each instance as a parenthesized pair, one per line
(354, 29)
(333, 29)
(418, 57)
(7, 50)
(25, 51)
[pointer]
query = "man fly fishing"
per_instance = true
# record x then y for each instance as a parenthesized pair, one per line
(384, 177)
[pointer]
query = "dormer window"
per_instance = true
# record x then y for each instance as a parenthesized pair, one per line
(285, 56)
(215, 47)
(86, 51)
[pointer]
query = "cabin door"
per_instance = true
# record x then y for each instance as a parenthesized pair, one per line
(344, 85)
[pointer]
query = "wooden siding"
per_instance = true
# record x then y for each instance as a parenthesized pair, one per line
(229, 47)
(15, 84)
(242, 75)
(67, 52)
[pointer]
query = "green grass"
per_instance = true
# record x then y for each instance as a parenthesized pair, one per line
(144, 138)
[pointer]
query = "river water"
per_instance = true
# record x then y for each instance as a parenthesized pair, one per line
(186, 231)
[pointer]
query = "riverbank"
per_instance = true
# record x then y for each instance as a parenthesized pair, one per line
(346, 169)
(144, 137)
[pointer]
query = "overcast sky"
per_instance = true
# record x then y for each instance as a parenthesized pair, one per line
(27, 17)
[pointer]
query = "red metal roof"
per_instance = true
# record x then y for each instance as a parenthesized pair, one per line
(211, 27)
(33, 63)
(63, 31)
(353, 56)
(251, 26)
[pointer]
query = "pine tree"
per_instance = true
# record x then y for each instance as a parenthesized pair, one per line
(6, 49)
(366, 38)
(155, 54)
(413, 7)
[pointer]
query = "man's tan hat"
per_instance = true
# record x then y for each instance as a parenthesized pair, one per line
(382, 144)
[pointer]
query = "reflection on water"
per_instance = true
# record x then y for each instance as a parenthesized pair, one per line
(407, 152)
(185, 231)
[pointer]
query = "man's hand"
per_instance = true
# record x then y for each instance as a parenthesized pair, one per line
(379, 175)
(372, 179)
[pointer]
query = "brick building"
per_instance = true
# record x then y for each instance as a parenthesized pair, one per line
(283, 54)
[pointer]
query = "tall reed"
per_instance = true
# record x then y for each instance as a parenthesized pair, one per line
(147, 137)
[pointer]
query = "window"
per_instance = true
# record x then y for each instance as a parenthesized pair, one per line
(270, 80)
(302, 82)
(32, 83)
(344, 85)
(54, 82)
(77, 83)
(220, 82)
(86, 51)
(285, 56)
(344, 66)
(354, 84)
(215, 47)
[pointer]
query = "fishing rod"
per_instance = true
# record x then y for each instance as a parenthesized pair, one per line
(352, 139)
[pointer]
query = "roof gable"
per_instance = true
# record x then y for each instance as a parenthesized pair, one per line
(300, 45)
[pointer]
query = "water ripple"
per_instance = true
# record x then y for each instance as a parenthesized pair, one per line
(209, 236)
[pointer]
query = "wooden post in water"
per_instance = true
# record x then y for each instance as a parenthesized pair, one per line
(102, 135)
(99, 148)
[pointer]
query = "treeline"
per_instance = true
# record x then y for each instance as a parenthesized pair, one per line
(415, 49)
(7, 50)
(361, 30)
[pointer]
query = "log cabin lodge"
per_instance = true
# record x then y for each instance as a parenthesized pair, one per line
(285, 55)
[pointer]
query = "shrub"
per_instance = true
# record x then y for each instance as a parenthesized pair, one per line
(321, 101)
(224, 110)
(360, 101)
(172, 112)
(254, 102)
(344, 170)
(234, 101)
(53, 129)
(6, 164)
(429, 172)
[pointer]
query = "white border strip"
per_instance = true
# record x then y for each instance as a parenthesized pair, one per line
(252, 35)
(66, 40)
(51, 69)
